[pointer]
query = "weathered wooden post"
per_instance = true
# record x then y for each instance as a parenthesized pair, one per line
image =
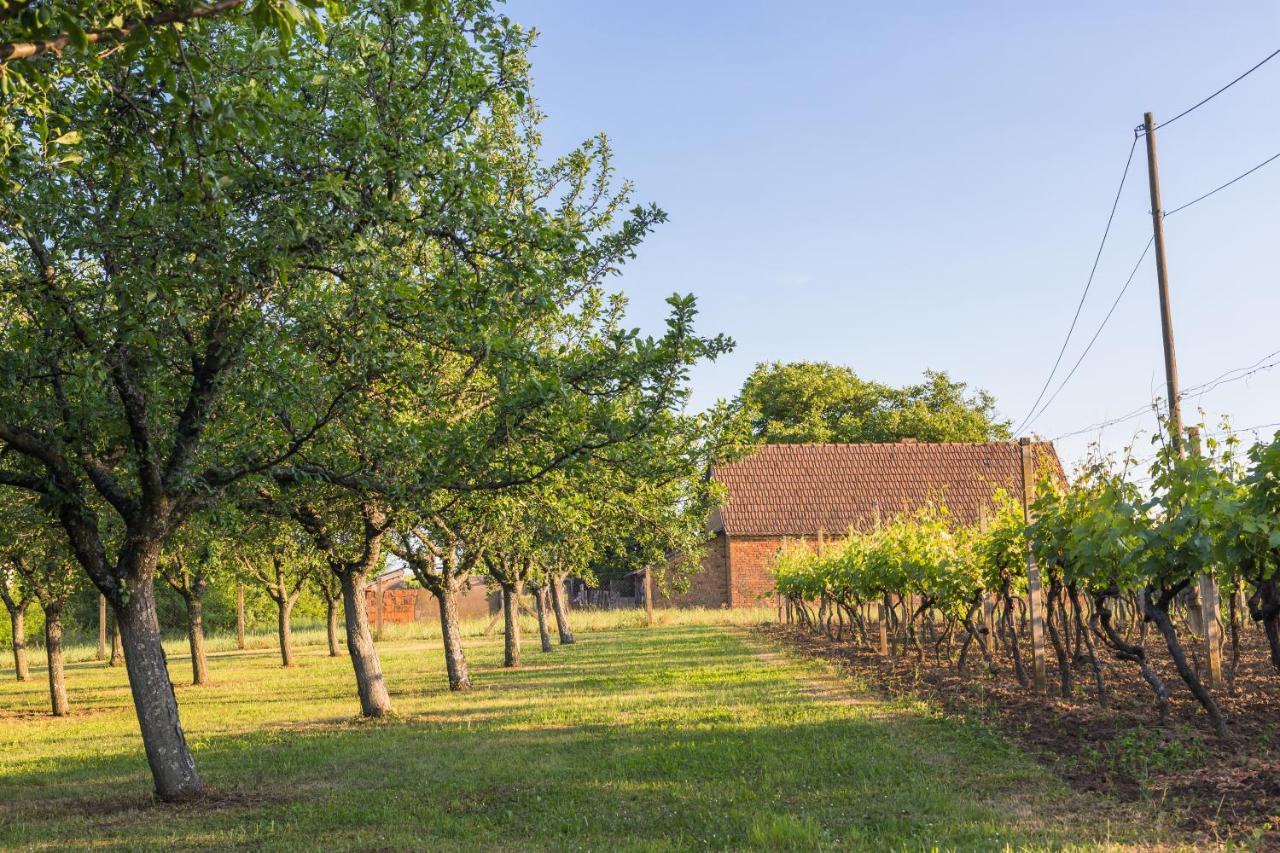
(1209, 603)
(102, 627)
(240, 616)
(1035, 601)
(648, 594)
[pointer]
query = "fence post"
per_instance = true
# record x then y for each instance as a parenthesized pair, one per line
(102, 627)
(1035, 602)
(884, 627)
(240, 616)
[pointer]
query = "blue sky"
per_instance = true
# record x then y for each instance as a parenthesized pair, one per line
(902, 186)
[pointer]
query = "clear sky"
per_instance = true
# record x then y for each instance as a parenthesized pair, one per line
(901, 186)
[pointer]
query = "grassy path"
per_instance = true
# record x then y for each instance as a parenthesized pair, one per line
(677, 738)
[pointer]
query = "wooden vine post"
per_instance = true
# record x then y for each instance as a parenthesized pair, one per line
(1209, 603)
(988, 600)
(1035, 594)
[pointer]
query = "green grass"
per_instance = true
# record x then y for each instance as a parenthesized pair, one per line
(685, 736)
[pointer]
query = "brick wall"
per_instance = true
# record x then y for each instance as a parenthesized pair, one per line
(708, 587)
(415, 604)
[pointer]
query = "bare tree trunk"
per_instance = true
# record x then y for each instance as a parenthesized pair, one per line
(455, 660)
(18, 625)
(511, 624)
(284, 625)
(117, 645)
(374, 699)
(172, 766)
(53, 651)
(332, 605)
(544, 630)
(195, 637)
(561, 611)
(240, 616)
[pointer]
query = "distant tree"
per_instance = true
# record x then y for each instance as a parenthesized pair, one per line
(53, 576)
(793, 402)
(17, 598)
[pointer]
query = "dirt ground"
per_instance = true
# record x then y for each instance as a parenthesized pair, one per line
(1217, 790)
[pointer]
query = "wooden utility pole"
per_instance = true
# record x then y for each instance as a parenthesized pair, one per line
(1207, 584)
(1162, 281)
(102, 627)
(1035, 594)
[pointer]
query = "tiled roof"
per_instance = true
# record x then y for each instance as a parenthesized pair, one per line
(801, 489)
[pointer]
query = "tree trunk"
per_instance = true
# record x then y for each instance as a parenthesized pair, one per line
(240, 616)
(284, 621)
(511, 624)
(195, 638)
(455, 660)
(18, 624)
(53, 651)
(374, 699)
(172, 766)
(544, 630)
(561, 611)
(332, 604)
(117, 645)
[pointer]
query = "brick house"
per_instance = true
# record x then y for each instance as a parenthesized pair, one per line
(798, 491)
(393, 598)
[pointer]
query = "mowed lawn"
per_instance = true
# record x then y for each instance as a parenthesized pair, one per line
(685, 737)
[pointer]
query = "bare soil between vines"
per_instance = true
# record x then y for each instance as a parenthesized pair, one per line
(1218, 790)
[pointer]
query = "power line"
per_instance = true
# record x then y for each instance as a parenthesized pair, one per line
(1194, 392)
(1197, 106)
(1027, 422)
(1273, 157)
(1250, 370)
(1088, 284)
(1101, 425)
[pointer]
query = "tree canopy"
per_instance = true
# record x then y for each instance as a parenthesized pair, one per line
(806, 401)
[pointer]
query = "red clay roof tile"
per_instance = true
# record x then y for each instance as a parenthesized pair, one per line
(801, 489)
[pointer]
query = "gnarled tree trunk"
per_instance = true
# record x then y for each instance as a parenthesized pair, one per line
(511, 623)
(195, 637)
(544, 630)
(331, 604)
(561, 610)
(117, 645)
(53, 652)
(284, 622)
(455, 661)
(172, 766)
(18, 625)
(374, 699)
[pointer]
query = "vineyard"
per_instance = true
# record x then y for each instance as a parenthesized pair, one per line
(933, 606)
